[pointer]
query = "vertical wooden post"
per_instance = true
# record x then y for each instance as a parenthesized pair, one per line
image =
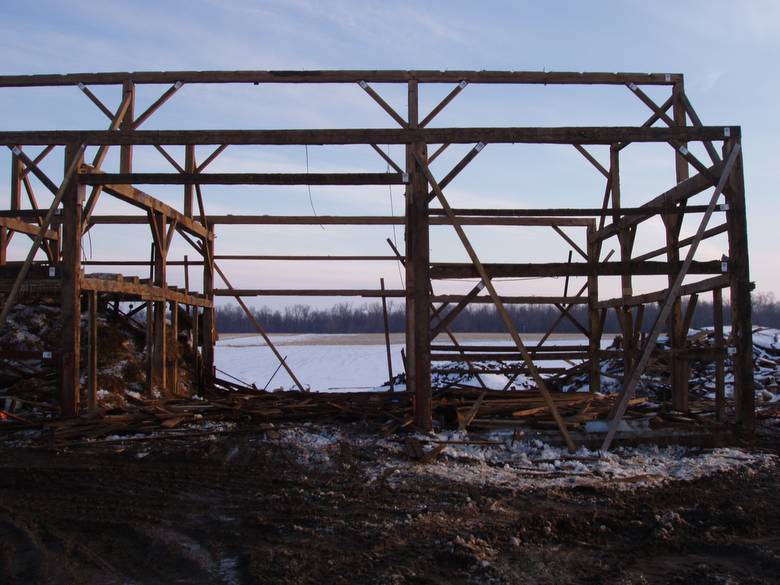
(189, 189)
(208, 312)
(70, 301)
(739, 276)
(126, 126)
(625, 238)
(720, 369)
(196, 362)
(594, 348)
(150, 331)
(159, 361)
(92, 353)
(16, 203)
(673, 223)
(387, 337)
(418, 298)
(173, 351)
(16, 182)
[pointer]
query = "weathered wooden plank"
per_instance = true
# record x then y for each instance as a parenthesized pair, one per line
(562, 135)
(389, 220)
(512, 300)
(72, 196)
(320, 292)
(520, 270)
(342, 76)
(144, 292)
(337, 258)
(23, 227)
(92, 352)
(242, 178)
(741, 336)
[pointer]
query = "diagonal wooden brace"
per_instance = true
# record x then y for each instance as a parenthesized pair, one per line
(633, 380)
(499, 304)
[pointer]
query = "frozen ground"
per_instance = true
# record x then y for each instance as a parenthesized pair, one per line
(497, 460)
(339, 362)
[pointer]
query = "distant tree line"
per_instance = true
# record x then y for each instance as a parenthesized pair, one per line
(368, 318)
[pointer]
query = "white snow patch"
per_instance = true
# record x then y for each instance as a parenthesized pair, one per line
(518, 464)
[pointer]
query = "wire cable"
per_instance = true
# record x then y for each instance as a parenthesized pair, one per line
(392, 213)
(308, 186)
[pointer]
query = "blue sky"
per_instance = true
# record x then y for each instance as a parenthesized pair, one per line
(727, 51)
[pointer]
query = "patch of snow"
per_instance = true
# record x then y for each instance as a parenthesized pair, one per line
(528, 464)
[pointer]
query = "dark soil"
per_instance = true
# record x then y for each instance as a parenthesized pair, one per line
(233, 512)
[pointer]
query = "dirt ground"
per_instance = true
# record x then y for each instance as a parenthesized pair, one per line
(232, 512)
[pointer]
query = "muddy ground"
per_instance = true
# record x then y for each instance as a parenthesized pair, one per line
(227, 512)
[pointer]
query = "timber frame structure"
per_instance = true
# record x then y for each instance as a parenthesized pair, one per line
(57, 232)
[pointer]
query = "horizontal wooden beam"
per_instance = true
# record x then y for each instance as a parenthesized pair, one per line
(327, 219)
(358, 220)
(139, 263)
(347, 76)
(538, 356)
(243, 179)
(515, 300)
(659, 296)
(500, 370)
(565, 135)
(571, 212)
(17, 225)
(303, 258)
(145, 292)
(458, 270)
(334, 292)
(505, 348)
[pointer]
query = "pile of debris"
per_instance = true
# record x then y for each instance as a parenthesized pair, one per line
(29, 359)
(655, 380)
(456, 409)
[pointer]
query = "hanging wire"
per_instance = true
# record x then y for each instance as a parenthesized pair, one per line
(83, 251)
(392, 212)
(308, 186)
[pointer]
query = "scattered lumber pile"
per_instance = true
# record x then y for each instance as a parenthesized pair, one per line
(485, 410)
(455, 408)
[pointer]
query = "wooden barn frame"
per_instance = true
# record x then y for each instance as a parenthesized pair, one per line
(58, 230)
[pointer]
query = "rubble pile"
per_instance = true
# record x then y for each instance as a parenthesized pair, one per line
(29, 359)
(655, 381)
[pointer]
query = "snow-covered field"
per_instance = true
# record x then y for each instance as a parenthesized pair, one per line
(339, 362)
